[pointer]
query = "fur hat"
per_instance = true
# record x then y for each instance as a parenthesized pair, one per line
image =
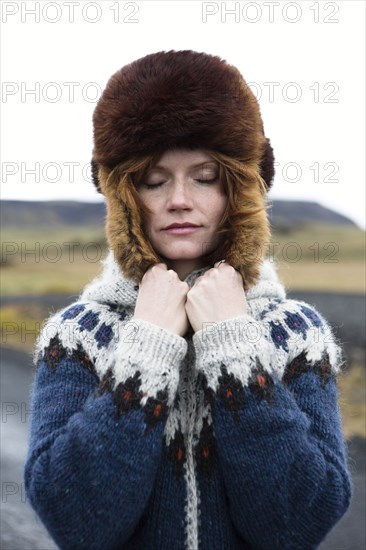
(191, 100)
(176, 99)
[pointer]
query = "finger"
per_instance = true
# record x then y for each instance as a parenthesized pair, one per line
(152, 269)
(156, 266)
(220, 262)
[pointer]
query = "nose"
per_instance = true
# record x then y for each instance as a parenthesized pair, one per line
(179, 196)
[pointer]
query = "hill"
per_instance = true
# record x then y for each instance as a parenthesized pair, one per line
(57, 214)
(289, 214)
(51, 214)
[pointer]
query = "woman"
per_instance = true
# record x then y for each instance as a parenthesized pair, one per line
(183, 401)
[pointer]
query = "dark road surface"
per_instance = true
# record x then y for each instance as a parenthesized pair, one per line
(20, 527)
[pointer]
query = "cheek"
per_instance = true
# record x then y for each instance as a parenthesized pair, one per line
(152, 229)
(150, 221)
(148, 226)
(217, 207)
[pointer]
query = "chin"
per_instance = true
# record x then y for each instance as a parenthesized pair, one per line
(182, 254)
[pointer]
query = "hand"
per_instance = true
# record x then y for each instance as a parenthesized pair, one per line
(216, 296)
(161, 299)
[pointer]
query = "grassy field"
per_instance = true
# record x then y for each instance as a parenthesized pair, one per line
(55, 262)
(311, 258)
(323, 258)
(352, 403)
(329, 258)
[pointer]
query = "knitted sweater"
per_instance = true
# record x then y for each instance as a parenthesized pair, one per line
(224, 439)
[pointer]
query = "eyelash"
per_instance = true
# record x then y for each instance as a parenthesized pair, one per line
(149, 185)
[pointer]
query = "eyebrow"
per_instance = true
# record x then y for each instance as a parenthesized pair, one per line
(199, 164)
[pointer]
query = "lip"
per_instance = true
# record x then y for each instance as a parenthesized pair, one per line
(181, 228)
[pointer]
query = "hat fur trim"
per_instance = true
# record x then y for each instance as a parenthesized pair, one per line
(179, 99)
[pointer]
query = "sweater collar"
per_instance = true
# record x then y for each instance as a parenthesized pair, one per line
(112, 287)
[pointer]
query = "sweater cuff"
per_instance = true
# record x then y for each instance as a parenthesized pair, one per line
(152, 352)
(238, 344)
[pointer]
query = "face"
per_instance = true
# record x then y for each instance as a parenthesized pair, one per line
(187, 201)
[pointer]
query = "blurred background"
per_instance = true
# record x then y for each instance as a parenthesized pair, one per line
(56, 59)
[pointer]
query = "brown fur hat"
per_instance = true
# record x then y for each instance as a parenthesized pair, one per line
(190, 100)
(175, 99)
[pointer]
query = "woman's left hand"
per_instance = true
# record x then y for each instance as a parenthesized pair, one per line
(216, 296)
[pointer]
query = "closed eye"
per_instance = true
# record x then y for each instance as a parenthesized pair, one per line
(159, 184)
(207, 181)
(150, 185)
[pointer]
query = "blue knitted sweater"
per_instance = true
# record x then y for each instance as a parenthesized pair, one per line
(227, 438)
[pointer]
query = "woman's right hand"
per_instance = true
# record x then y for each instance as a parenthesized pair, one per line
(161, 299)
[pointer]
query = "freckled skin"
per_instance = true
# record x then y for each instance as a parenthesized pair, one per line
(184, 187)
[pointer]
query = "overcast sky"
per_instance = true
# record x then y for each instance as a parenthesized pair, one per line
(304, 60)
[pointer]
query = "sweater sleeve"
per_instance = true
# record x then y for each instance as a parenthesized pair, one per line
(277, 425)
(94, 446)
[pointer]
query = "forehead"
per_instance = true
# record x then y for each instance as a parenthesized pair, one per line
(184, 158)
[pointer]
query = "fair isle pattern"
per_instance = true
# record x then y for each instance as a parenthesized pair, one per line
(288, 337)
(286, 330)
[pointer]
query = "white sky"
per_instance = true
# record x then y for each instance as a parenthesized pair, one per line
(310, 55)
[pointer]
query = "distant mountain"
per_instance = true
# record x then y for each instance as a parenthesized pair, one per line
(52, 214)
(288, 214)
(57, 214)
